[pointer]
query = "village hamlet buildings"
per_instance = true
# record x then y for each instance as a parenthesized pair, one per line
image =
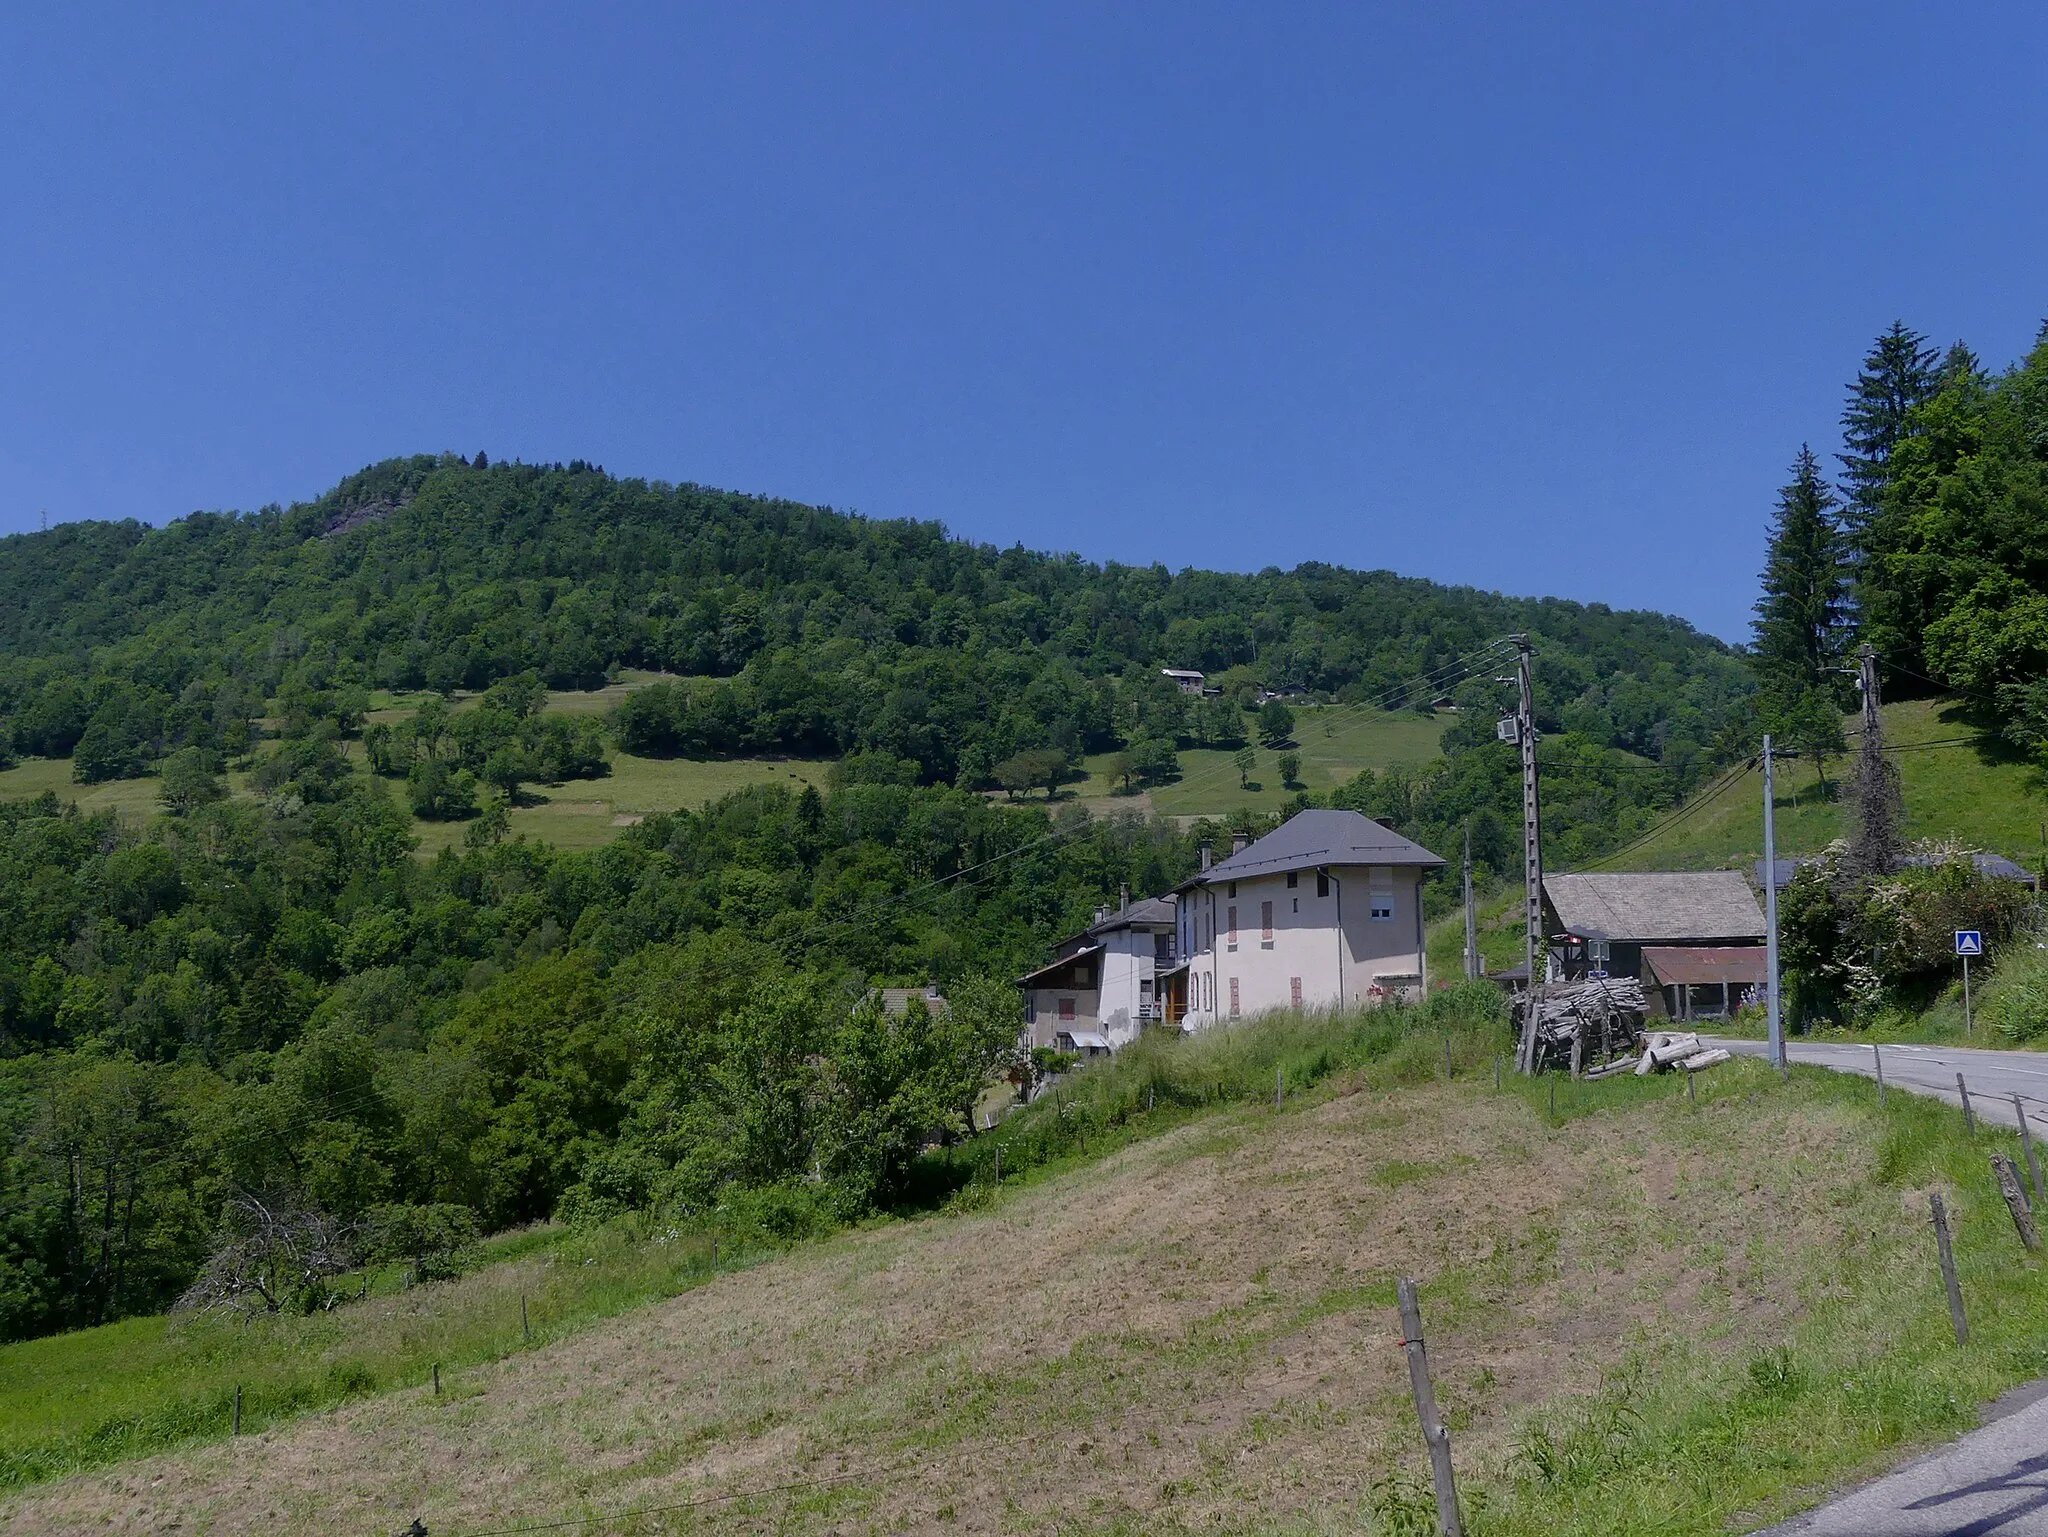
(1694, 940)
(1102, 986)
(1324, 912)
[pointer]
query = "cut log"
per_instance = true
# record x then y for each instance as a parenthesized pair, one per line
(1705, 1059)
(1616, 1069)
(1677, 1051)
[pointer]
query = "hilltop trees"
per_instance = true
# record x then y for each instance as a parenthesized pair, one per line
(1898, 376)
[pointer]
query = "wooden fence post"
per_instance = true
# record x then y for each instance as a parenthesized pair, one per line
(1948, 1267)
(1878, 1057)
(2016, 1202)
(525, 1328)
(1279, 1085)
(2027, 1142)
(437, 1378)
(1447, 1057)
(1434, 1433)
(1969, 1115)
(238, 1409)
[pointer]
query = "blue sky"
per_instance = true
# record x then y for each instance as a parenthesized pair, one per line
(1537, 298)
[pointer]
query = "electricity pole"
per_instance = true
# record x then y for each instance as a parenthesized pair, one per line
(1777, 1029)
(1532, 852)
(1471, 917)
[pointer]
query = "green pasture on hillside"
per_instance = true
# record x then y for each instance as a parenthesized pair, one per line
(1960, 783)
(1334, 742)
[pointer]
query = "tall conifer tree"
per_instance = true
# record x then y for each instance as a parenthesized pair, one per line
(1899, 372)
(1801, 619)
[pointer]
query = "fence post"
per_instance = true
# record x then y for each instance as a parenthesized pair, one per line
(525, 1328)
(1969, 1115)
(1878, 1057)
(2027, 1142)
(1691, 1095)
(1279, 1085)
(1948, 1267)
(2016, 1200)
(437, 1378)
(1447, 1056)
(1496, 1072)
(1434, 1434)
(238, 1409)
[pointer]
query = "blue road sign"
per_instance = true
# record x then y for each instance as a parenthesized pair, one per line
(1969, 942)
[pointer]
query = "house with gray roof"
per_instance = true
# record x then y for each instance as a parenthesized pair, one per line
(1101, 989)
(1323, 912)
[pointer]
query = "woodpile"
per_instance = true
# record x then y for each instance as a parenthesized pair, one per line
(1585, 1027)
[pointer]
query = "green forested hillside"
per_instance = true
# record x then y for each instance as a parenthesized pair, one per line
(232, 974)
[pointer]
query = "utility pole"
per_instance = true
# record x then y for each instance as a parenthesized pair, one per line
(1777, 1029)
(1532, 852)
(1471, 917)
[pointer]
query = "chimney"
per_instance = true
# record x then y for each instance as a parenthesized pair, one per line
(1102, 914)
(1239, 842)
(1208, 854)
(1123, 899)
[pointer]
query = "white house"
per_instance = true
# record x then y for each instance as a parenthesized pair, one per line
(1325, 911)
(1186, 679)
(1101, 990)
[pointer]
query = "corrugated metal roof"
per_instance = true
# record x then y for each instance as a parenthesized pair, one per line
(1316, 837)
(1712, 904)
(1694, 965)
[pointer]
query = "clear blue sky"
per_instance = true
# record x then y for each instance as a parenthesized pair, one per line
(1542, 298)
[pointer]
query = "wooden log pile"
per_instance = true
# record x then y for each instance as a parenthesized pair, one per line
(1585, 1027)
(1677, 1048)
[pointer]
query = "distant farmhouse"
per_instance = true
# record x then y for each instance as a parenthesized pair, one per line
(1185, 679)
(1695, 940)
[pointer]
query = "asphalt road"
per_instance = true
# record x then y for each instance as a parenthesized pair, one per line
(1991, 1483)
(1993, 1077)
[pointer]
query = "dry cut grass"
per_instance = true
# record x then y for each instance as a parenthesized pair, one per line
(1197, 1333)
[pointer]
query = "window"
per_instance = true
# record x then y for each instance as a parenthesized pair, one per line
(1031, 1009)
(1293, 880)
(1297, 904)
(1231, 914)
(1383, 906)
(1233, 888)
(1066, 1008)
(1322, 883)
(1266, 924)
(1233, 997)
(1084, 976)
(1294, 990)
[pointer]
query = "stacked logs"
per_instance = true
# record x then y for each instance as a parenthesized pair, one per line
(1585, 1026)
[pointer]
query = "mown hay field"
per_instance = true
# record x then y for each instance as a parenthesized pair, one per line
(1643, 1316)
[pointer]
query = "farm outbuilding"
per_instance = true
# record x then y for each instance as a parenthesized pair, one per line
(1694, 939)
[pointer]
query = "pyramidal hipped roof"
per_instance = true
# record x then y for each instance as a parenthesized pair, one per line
(1311, 838)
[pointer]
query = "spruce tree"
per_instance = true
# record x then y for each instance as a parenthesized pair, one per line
(1802, 615)
(1899, 372)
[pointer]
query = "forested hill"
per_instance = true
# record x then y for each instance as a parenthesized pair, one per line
(840, 632)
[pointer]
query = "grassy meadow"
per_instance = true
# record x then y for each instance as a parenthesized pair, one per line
(1334, 742)
(1959, 782)
(1175, 1313)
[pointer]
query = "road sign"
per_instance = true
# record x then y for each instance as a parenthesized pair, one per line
(1969, 942)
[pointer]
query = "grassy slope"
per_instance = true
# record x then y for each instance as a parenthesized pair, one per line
(1334, 743)
(1979, 793)
(581, 814)
(1643, 1316)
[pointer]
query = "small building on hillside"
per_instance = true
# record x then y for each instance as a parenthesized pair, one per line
(1323, 912)
(1186, 679)
(1101, 989)
(896, 1000)
(1695, 939)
